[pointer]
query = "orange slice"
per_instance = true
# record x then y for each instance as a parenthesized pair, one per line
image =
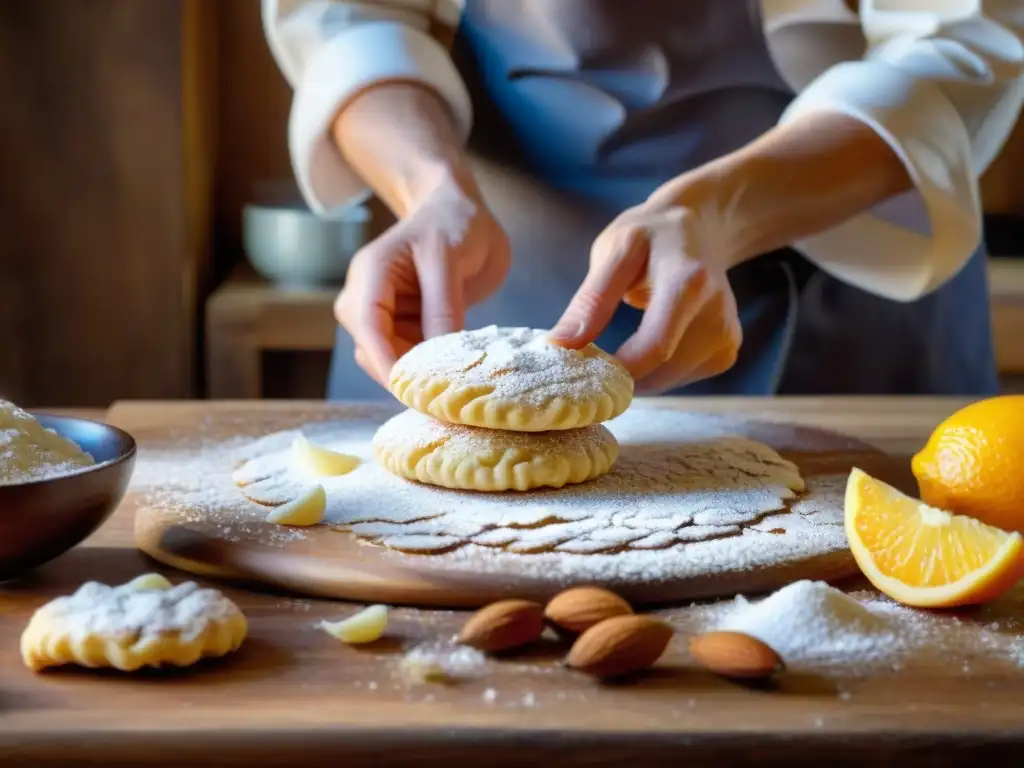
(923, 556)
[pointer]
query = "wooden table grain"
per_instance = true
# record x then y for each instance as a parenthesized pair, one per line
(295, 696)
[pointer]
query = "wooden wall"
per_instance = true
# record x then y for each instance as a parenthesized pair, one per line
(96, 276)
(252, 145)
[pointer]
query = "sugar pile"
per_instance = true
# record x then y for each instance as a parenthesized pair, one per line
(815, 626)
(810, 621)
(29, 452)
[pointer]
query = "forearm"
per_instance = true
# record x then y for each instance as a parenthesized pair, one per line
(796, 180)
(402, 141)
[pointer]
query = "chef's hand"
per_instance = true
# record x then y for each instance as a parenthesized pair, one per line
(665, 258)
(669, 256)
(417, 279)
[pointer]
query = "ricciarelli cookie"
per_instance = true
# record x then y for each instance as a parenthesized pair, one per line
(417, 447)
(144, 623)
(511, 379)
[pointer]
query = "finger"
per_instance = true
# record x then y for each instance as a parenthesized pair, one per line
(364, 362)
(677, 296)
(407, 333)
(441, 290)
(493, 273)
(680, 372)
(366, 310)
(694, 362)
(615, 267)
(717, 364)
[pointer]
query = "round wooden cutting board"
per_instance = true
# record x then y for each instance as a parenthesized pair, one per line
(190, 515)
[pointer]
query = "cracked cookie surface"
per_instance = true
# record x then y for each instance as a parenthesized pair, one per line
(511, 379)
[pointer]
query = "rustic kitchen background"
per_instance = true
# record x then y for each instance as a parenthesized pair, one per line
(132, 134)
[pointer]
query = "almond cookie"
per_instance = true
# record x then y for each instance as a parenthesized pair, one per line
(418, 447)
(511, 379)
(144, 623)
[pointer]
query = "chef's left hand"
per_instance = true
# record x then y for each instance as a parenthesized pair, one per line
(669, 258)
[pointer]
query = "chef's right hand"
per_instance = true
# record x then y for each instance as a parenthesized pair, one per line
(417, 279)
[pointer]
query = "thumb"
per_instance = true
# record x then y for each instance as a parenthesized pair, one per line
(615, 268)
(441, 292)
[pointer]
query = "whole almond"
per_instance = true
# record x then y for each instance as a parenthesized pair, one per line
(580, 608)
(620, 645)
(503, 625)
(734, 654)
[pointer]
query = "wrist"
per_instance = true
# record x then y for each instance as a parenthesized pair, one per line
(400, 138)
(794, 181)
(717, 195)
(427, 176)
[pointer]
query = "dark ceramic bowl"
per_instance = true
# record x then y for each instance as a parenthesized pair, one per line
(42, 519)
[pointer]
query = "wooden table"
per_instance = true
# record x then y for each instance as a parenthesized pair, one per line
(247, 317)
(295, 696)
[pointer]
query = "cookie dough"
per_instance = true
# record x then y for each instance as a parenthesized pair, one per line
(418, 447)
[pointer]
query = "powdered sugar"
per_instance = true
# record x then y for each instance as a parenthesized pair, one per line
(637, 524)
(189, 478)
(810, 621)
(518, 364)
(814, 626)
(126, 611)
(30, 453)
(440, 662)
(679, 479)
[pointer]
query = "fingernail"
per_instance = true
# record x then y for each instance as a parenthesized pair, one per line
(565, 331)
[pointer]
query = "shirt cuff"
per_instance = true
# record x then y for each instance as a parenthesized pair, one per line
(910, 245)
(357, 58)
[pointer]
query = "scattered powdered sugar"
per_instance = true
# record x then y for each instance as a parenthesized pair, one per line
(441, 662)
(127, 611)
(190, 477)
(29, 452)
(690, 496)
(519, 364)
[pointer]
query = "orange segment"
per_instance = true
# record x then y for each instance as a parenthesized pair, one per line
(923, 556)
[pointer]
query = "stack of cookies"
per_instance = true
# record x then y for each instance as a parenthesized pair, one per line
(499, 409)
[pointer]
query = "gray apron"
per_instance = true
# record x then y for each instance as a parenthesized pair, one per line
(584, 107)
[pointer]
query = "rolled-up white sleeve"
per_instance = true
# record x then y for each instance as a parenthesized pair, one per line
(944, 92)
(331, 51)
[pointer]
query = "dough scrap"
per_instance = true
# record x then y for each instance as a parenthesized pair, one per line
(306, 509)
(320, 461)
(134, 625)
(151, 581)
(367, 626)
(418, 447)
(511, 379)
